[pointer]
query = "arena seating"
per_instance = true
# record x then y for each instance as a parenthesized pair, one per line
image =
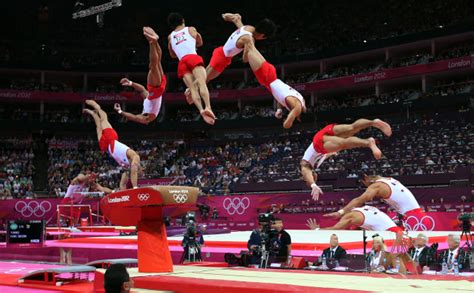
(16, 167)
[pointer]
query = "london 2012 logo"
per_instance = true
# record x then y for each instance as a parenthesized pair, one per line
(33, 208)
(123, 198)
(236, 205)
(180, 196)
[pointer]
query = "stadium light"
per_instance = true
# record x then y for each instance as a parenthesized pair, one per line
(94, 9)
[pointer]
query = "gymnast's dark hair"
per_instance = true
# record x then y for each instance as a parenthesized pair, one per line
(114, 278)
(266, 27)
(175, 19)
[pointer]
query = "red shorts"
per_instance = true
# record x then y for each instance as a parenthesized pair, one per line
(318, 139)
(108, 137)
(156, 92)
(188, 63)
(417, 220)
(219, 60)
(395, 229)
(266, 74)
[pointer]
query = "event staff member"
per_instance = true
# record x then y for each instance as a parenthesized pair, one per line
(117, 279)
(281, 242)
(454, 252)
(420, 252)
(334, 251)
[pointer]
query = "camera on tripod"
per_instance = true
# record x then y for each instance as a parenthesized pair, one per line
(266, 220)
(192, 241)
(465, 219)
(267, 233)
(190, 224)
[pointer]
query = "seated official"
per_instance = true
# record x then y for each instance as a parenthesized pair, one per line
(381, 260)
(454, 252)
(280, 242)
(421, 253)
(334, 251)
(117, 279)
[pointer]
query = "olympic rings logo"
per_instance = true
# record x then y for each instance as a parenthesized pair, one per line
(180, 197)
(33, 208)
(143, 196)
(412, 223)
(236, 205)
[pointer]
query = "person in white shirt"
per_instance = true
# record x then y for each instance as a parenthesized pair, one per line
(108, 142)
(156, 84)
(366, 217)
(182, 43)
(222, 56)
(286, 96)
(394, 193)
(334, 138)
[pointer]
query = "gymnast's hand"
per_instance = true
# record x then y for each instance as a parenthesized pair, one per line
(316, 191)
(279, 114)
(117, 107)
(311, 223)
(126, 82)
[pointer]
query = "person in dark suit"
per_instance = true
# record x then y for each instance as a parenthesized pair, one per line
(454, 252)
(334, 251)
(421, 253)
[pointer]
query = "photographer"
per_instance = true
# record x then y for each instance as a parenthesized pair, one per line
(280, 242)
(192, 241)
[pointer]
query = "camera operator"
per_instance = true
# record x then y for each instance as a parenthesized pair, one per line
(280, 242)
(254, 244)
(192, 241)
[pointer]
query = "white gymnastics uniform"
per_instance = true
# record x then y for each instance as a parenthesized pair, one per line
(401, 198)
(230, 47)
(313, 157)
(375, 219)
(119, 153)
(183, 43)
(281, 91)
(152, 106)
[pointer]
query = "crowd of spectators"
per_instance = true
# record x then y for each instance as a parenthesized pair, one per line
(16, 168)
